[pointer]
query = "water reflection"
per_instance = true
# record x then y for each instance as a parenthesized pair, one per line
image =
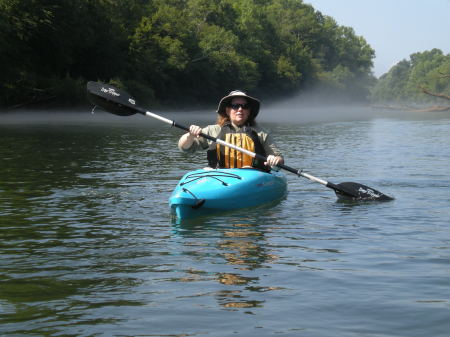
(242, 246)
(242, 249)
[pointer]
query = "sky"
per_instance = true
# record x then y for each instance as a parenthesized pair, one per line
(395, 29)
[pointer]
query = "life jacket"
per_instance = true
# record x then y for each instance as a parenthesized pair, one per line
(220, 156)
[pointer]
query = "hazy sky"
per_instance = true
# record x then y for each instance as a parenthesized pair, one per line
(393, 28)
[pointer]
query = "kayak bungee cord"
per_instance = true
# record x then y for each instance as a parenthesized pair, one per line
(197, 176)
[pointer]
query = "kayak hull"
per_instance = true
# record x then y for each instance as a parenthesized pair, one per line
(207, 191)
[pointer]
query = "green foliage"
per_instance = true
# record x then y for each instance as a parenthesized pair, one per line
(175, 51)
(403, 81)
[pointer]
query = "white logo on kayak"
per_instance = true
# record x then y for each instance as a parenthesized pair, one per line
(132, 101)
(110, 91)
(370, 192)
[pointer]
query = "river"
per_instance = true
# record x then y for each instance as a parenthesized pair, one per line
(88, 246)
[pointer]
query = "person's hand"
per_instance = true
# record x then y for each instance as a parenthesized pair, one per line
(194, 131)
(188, 138)
(273, 160)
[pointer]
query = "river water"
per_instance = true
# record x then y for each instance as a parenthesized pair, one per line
(88, 247)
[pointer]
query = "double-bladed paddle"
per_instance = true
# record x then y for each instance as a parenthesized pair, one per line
(120, 103)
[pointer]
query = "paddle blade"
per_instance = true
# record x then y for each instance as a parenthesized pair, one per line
(111, 99)
(359, 192)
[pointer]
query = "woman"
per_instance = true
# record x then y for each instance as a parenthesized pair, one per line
(236, 125)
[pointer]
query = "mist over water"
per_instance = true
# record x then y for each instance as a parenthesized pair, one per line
(312, 106)
(295, 110)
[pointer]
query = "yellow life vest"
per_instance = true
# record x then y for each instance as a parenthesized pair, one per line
(220, 156)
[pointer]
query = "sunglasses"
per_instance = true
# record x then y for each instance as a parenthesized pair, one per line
(239, 105)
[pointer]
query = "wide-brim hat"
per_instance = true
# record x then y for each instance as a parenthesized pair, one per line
(225, 101)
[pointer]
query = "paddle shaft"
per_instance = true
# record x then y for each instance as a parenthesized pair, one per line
(121, 103)
(240, 149)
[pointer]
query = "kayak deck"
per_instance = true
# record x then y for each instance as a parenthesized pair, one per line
(212, 190)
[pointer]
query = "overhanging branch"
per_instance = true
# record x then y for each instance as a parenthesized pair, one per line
(444, 75)
(428, 92)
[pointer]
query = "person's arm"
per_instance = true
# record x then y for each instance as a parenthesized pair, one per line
(187, 140)
(274, 156)
(191, 142)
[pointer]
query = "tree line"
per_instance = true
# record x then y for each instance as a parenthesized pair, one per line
(170, 52)
(423, 79)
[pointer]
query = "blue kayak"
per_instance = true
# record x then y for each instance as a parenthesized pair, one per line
(213, 190)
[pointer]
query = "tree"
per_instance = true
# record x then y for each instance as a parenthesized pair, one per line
(48, 45)
(421, 80)
(175, 51)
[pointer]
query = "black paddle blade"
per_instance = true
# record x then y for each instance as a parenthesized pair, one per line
(359, 192)
(112, 99)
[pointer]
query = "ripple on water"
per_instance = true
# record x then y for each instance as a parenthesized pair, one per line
(89, 248)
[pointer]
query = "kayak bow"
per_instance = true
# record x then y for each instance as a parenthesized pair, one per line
(206, 191)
